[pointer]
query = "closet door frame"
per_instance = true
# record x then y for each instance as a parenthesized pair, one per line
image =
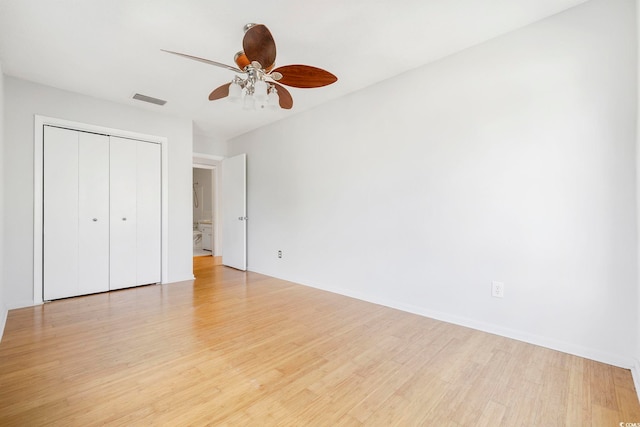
(39, 123)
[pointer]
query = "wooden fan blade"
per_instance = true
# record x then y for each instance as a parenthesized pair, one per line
(220, 92)
(304, 76)
(206, 61)
(285, 99)
(259, 45)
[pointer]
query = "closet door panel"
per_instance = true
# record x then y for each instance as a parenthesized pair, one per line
(93, 209)
(123, 155)
(148, 212)
(60, 228)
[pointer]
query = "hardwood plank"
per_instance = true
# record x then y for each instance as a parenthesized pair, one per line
(240, 348)
(492, 414)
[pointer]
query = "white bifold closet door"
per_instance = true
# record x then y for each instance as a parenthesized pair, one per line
(76, 203)
(102, 213)
(135, 213)
(148, 208)
(123, 213)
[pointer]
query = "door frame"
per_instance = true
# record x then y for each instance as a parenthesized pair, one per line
(38, 191)
(198, 164)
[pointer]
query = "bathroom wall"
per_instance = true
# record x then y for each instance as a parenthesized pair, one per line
(203, 191)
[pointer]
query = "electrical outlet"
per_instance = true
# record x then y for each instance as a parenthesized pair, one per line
(279, 254)
(497, 289)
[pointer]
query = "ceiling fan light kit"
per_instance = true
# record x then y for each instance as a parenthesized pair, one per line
(258, 88)
(254, 91)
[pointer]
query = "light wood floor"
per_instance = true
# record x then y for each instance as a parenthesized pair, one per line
(236, 348)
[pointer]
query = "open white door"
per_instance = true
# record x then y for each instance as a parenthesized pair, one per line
(234, 212)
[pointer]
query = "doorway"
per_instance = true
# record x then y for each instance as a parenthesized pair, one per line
(204, 208)
(228, 177)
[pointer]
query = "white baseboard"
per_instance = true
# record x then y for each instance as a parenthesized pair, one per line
(3, 320)
(635, 373)
(550, 343)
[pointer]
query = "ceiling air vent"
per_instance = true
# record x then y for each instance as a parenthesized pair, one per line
(149, 99)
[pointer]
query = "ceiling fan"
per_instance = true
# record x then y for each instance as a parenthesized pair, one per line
(262, 86)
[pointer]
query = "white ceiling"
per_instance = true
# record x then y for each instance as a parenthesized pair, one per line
(110, 49)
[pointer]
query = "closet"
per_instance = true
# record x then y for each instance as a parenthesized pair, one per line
(101, 213)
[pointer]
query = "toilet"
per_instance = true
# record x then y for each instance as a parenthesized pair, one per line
(197, 239)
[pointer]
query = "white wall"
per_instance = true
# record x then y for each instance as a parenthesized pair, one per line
(511, 161)
(209, 145)
(3, 308)
(636, 368)
(24, 99)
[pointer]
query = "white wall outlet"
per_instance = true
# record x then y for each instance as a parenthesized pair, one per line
(279, 254)
(497, 289)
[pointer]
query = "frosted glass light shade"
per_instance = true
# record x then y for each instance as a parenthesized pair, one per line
(235, 92)
(260, 90)
(274, 99)
(249, 103)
